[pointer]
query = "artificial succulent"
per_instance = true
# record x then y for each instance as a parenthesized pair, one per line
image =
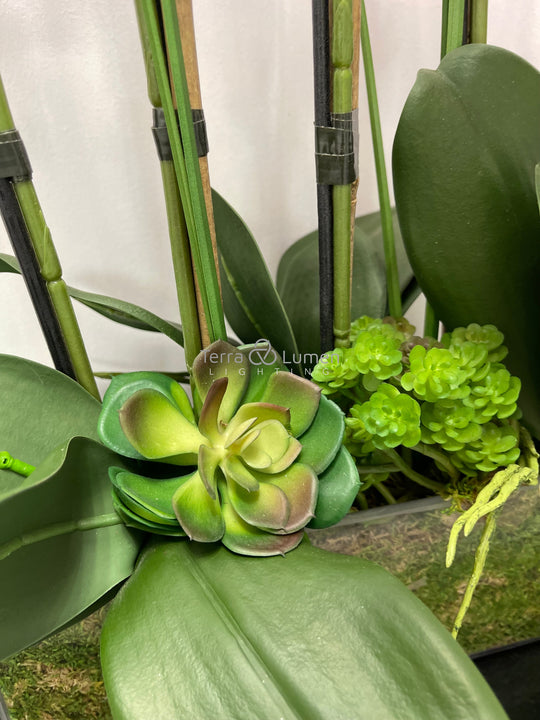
(260, 452)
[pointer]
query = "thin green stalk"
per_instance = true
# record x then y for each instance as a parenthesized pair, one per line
(454, 32)
(412, 474)
(431, 323)
(57, 529)
(385, 492)
(181, 256)
(430, 452)
(186, 167)
(342, 58)
(49, 267)
(392, 275)
(479, 21)
(200, 240)
(479, 562)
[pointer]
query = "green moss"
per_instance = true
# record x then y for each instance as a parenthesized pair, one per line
(59, 679)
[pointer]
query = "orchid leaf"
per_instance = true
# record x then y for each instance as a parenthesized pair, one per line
(119, 311)
(49, 582)
(252, 303)
(338, 487)
(294, 637)
(464, 176)
(298, 281)
(41, 409)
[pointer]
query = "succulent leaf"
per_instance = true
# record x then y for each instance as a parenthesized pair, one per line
(198, 513)
(218, 360)
(300, 396)
(157, 429)
(120, 390)
(248, 488)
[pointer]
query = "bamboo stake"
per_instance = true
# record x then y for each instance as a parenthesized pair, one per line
(479, 21)
(342, 57)
(186, 163)
(180, 250)
(184, 9)
(33, 245)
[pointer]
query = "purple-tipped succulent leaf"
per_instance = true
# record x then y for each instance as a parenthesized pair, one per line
(254, 485)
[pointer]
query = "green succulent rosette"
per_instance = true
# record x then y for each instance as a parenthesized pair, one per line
(259, 458)
(487, 335)
(391, 418)
(444, 373)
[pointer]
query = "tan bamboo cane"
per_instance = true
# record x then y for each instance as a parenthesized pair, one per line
(184, 10)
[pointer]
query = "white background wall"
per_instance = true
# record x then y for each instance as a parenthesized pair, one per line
(75, 80)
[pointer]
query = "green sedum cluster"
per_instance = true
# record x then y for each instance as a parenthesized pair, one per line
(402, 390)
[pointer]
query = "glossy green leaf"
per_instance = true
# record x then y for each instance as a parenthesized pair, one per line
(322, 440)
(464, 177)
(120, 311)
(252, 304)
(298, 280)
(40, 410)
(198, 632)
(338, 487)
(48, 583)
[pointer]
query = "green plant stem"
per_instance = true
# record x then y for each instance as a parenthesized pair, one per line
(479, 21)
(49, 267)
(431, 323)
(439, 457)
(362, 500)
(385, 492)
(376, 469)
(190, 181)
(342, 58)
(392, 275)
(57, 529)
(454, 32)
(479, 564)
(412, 474)
(186, 165)
(185, 286)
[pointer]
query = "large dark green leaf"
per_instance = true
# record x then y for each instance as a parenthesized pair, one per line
(198, 633)
(120, 311)
(40, 410)
(464, 160)
(43, 586)
(252, 304)
(298, 279)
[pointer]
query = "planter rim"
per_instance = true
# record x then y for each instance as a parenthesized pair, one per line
(387, 511)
